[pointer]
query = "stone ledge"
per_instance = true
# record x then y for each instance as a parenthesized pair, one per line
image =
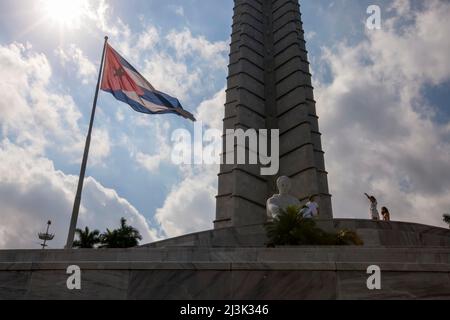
(374, 234)
(223, 266)
(227, 273)
(229, 258)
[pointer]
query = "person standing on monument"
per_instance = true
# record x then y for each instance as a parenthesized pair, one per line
(385, 214)
(311, 208)
(373, 211)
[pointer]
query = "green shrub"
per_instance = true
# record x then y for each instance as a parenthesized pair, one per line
(289, 228)
(348, 237)
(446, 218)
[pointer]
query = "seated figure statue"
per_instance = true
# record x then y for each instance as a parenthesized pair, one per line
(281, 201)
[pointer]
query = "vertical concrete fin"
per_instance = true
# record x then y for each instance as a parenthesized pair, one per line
(269, 87)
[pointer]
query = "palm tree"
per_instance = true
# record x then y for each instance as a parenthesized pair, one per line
(86, 238)
(447, 218)
(289, 228)
(124, 237)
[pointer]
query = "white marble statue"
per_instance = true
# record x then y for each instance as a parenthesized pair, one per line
(283, 200)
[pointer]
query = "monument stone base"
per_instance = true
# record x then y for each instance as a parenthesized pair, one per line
(414, 261)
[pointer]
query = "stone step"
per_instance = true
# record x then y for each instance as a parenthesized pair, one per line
(374, 234)
(348, 254)
(227, 273)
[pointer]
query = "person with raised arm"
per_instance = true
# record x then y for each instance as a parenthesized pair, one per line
(373, 211)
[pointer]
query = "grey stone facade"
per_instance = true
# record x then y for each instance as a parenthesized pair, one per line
(233, 263)
(227, 273)
(378, 234)
(269, 87)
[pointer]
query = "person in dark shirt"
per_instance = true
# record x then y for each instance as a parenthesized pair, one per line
(385, 214)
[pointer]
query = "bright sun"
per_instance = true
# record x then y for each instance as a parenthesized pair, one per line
(66, 13)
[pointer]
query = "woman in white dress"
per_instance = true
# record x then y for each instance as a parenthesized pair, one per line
(311, 209)
(373, 211)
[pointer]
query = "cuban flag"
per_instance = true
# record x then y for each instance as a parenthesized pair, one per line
(126, 84)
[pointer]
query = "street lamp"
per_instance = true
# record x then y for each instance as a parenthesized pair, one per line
(46, 236)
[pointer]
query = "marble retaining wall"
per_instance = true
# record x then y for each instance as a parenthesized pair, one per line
(374, 234)
(227, 273)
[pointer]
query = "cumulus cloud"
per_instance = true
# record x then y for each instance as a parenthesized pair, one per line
(33, 191)
(41, 117)
(73, 57)
(190, 205)
(310, 35)
(177, 62)
(211, 111)
(186, 45)
(101, 146)
(36, 119)
(191, 71)
(148, 39)
(98, 13)
(171, 76)
(44, 124)
(152, 163)
(31, 112)
(379, 132)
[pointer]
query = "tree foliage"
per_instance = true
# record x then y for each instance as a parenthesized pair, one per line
(124, 237)
(446, 218)
(289, 228)
(87, 239)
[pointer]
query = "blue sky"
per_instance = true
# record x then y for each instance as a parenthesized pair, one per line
(383, 98)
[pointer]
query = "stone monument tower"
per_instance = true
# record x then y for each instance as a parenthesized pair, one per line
(269, 87)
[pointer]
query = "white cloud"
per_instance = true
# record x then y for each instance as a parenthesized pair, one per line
(149, 162)
(44, 119)
(152, 163)
(171, 76)
(101, 146)
(211, 112)
(190, 206)
(402, 7)
(120, 117)
(36, 119)
(186, 45)
(148, 39)
(424, 36)
(98, 12)
(188, 72)
(135, 46)
(41, 117)
(184, 74)
(378, 130)
(310, 35)
(73, 57)
(31, 112)
(33, 191)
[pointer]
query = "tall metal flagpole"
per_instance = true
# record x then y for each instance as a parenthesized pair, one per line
(76, 205)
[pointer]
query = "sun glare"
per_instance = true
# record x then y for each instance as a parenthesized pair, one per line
(66, 13)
